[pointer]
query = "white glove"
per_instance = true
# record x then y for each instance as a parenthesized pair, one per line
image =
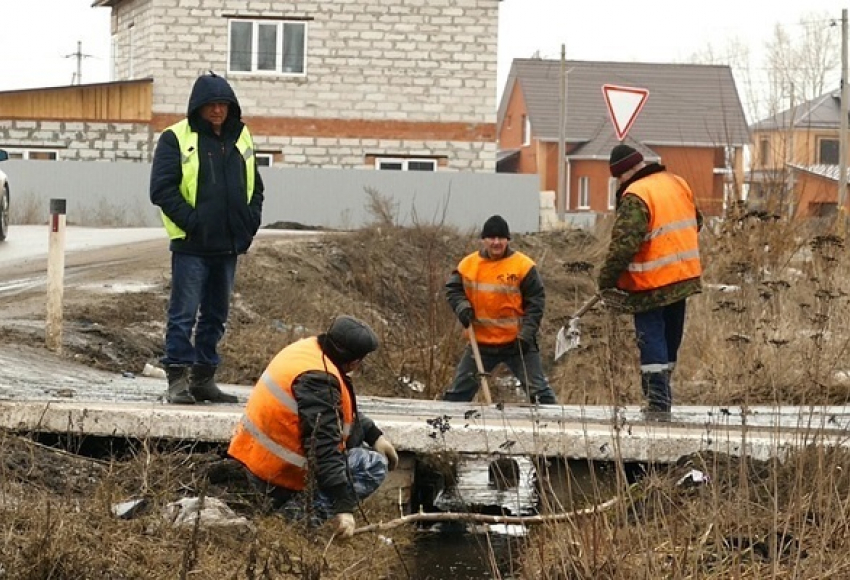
(385, 448)
(343, 525)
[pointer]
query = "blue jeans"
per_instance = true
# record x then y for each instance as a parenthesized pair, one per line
(201, 287)
(526, 367)
(367, 471)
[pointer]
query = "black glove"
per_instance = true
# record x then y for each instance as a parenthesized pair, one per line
(525, 345)
(466, 316)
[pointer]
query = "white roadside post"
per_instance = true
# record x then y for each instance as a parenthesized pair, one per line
(55, 275)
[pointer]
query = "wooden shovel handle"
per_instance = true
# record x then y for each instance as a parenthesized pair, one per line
(485, 387)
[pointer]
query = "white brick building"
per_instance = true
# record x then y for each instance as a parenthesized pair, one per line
(395, 84)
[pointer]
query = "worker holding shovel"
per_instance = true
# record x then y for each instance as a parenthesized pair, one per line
(498, 296)
(652, 266)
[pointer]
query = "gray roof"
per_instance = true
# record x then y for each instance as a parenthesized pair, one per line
(688, 104)
(821, 112)
(831, 172)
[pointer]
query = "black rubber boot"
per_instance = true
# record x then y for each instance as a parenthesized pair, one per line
(203, 387)
(178, 385)
(656, 388)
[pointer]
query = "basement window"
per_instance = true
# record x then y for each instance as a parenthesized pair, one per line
(401, 164)
(33, 154)
(267, 47)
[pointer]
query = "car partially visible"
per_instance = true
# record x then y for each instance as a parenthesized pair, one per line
(4, 199)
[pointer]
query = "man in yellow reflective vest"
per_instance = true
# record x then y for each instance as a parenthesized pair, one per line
(498, 294)
(301, 437)
(652, 266)
(206, 183)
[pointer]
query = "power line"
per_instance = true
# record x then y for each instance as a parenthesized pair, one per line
(78, 77)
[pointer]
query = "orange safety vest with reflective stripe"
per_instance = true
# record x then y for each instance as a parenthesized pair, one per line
(670, 250)
(268, 438)
(492, 287)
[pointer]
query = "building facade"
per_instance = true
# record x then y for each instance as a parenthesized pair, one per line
(375, 84)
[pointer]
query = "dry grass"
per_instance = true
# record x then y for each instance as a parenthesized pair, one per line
(771, 327)
(57, 523)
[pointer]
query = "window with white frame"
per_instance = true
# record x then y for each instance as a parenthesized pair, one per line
(526, 131)
(265, 159)
(33, 154)
(584, 192)
(401, 164)
(267, 46)
(613, 185)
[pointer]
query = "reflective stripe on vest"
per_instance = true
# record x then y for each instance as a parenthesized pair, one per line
(268, 438)
(190, 164)
(492, 287)
(670, 250)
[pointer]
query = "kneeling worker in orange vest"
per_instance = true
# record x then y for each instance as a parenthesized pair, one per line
(301, 424)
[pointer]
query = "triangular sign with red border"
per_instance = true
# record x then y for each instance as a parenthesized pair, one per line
(624, 105)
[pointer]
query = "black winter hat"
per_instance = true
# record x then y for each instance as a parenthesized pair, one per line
(496, 227)
(623, 158)
(351, 338)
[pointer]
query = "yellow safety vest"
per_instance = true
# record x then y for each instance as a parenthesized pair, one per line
(190, 163)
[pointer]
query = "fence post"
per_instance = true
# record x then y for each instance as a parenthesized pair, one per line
(55, 275)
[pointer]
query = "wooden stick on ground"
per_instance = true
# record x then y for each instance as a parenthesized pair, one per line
(485, 519)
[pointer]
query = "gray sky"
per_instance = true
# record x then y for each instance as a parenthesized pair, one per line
(37, 35)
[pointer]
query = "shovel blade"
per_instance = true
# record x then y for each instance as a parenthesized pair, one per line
(568, 338)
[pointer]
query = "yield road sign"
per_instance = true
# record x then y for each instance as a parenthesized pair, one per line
(624, 104)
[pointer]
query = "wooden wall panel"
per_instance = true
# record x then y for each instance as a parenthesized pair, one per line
(123, 101)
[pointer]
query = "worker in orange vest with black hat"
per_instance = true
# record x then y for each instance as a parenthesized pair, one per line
(301, 426)
(652, 266)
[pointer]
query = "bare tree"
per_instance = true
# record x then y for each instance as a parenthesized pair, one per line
(805, 63)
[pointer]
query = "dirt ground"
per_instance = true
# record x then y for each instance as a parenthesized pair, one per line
(287, 287)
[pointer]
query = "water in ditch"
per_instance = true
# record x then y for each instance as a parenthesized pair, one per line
(509, 487)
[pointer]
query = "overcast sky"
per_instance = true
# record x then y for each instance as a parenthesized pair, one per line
(37, 36)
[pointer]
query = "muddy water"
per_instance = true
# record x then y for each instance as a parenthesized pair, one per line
(463, 553)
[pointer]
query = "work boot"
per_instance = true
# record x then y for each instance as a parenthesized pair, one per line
(656, 388)
(203, 386)
(178, 385)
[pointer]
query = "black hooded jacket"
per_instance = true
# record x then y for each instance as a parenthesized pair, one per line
(222, 221)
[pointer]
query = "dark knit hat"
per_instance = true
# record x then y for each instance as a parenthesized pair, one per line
(623, 158)
(350, 338)
(496, 227)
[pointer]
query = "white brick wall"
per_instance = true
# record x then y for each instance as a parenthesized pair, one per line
(403, 60)
(76, 141)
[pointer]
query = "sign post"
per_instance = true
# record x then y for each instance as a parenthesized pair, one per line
(624, 104)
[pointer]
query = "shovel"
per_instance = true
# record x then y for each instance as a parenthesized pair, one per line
(482, 376)
(569, 336)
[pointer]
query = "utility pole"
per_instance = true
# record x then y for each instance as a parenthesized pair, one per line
(561, 201)
(842, 137)
(78, 78)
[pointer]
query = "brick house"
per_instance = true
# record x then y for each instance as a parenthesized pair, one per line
(795, 165)
(692, 122)
(386, 84)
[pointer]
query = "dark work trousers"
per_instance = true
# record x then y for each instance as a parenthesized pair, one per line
(201, 287)
(659, 335)
(527, 368)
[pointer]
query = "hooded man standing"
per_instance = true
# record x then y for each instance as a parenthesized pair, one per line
(498, 294)
(653, 262)
(301, 426)
(206, 183)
